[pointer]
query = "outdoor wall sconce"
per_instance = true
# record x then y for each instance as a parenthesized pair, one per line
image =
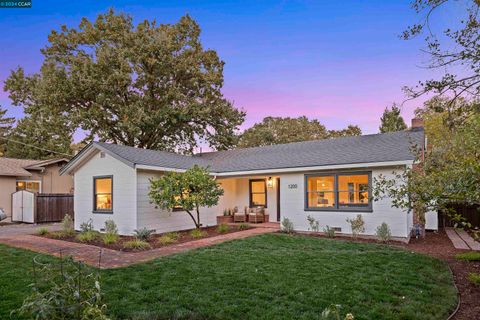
(270, 182)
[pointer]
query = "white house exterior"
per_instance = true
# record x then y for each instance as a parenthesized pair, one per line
(330, 180)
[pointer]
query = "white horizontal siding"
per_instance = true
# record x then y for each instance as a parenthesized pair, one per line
(124, 193)
(292, 202)
(165, 221)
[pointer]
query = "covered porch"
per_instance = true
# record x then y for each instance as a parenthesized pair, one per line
(250, 199)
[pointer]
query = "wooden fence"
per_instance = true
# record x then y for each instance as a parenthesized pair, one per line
(470, 213)
(52, 207)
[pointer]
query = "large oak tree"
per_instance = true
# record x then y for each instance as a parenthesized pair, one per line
(148, 85)
(278, 130)
(6, 124)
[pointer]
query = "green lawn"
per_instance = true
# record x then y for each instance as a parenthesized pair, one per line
(271, 276)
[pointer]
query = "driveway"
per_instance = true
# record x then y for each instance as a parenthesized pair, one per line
(24, 229)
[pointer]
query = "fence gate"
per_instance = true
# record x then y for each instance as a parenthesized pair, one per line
(52, 207)
(23, 206)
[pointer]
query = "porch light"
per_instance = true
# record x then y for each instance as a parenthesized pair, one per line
(270, 182)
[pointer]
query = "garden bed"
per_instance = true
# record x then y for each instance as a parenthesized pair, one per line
(154, 240)
(438, 245)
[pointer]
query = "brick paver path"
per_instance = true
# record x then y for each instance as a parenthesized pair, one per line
(113, 258)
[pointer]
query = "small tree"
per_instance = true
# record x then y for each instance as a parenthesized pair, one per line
(190, 190)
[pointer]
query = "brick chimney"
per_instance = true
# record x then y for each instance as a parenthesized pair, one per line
(417, 123)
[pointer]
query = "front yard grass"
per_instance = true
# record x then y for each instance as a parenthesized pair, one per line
(273, 276)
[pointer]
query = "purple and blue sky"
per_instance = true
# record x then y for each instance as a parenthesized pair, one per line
(341, 62)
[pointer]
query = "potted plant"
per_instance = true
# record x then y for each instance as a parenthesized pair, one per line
(227, 217)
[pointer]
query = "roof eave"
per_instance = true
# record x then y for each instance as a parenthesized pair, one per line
(287, 169)
(317, 168)
(72, 164)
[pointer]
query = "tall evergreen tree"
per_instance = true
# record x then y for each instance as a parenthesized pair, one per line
(6, 124)
(391, 120)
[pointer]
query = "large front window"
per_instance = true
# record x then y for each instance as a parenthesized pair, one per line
(338, 191)
(102, 190)
(258, 193)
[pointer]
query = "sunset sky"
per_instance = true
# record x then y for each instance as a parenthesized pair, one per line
(341, 62)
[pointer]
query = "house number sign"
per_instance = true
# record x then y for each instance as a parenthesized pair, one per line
(292, 186)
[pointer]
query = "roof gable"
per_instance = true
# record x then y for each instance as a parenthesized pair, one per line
(20, 167)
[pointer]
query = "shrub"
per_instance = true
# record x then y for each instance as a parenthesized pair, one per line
(136, 244)
(357, 225)
(174, 235)
(287, 225)
(68, 228)
(111, 227)
(314, 224)
(111, 232)
(57, 235)
(87, 236)
(86, 226)
(469, 256)
(243, 226)
(383, 233)
(63, 292)
(329, 232)
(223, 228)
(474, 278)
(43, 231)
(143, 234)
(110, 238)
(166, 239)
(197, 233)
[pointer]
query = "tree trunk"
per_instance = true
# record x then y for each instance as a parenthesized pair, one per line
(198, 218)
(197, 224)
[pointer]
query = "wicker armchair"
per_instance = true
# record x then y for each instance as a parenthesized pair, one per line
(239, 216)
(256, 215)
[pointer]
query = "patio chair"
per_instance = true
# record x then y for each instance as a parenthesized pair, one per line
(239, 216)
(256, 215)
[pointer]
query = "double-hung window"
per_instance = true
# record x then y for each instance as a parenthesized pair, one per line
(103, 194)
(338, 191)
(258, 193)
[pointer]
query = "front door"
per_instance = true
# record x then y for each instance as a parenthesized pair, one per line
(278, 199)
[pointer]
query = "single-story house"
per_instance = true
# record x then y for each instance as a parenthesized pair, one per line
(330, 180)
(38, 176)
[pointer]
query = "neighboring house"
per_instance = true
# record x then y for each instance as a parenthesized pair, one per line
(330, 180)
(42, 176)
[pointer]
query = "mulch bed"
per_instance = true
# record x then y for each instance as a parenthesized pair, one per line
(438, 245)
(184, 236)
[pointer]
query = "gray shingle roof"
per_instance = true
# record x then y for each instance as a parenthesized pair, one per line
(152, 157)
(19, 167)
(395, 146)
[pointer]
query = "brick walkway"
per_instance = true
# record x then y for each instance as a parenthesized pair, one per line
(462, 240)
(113, 258)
